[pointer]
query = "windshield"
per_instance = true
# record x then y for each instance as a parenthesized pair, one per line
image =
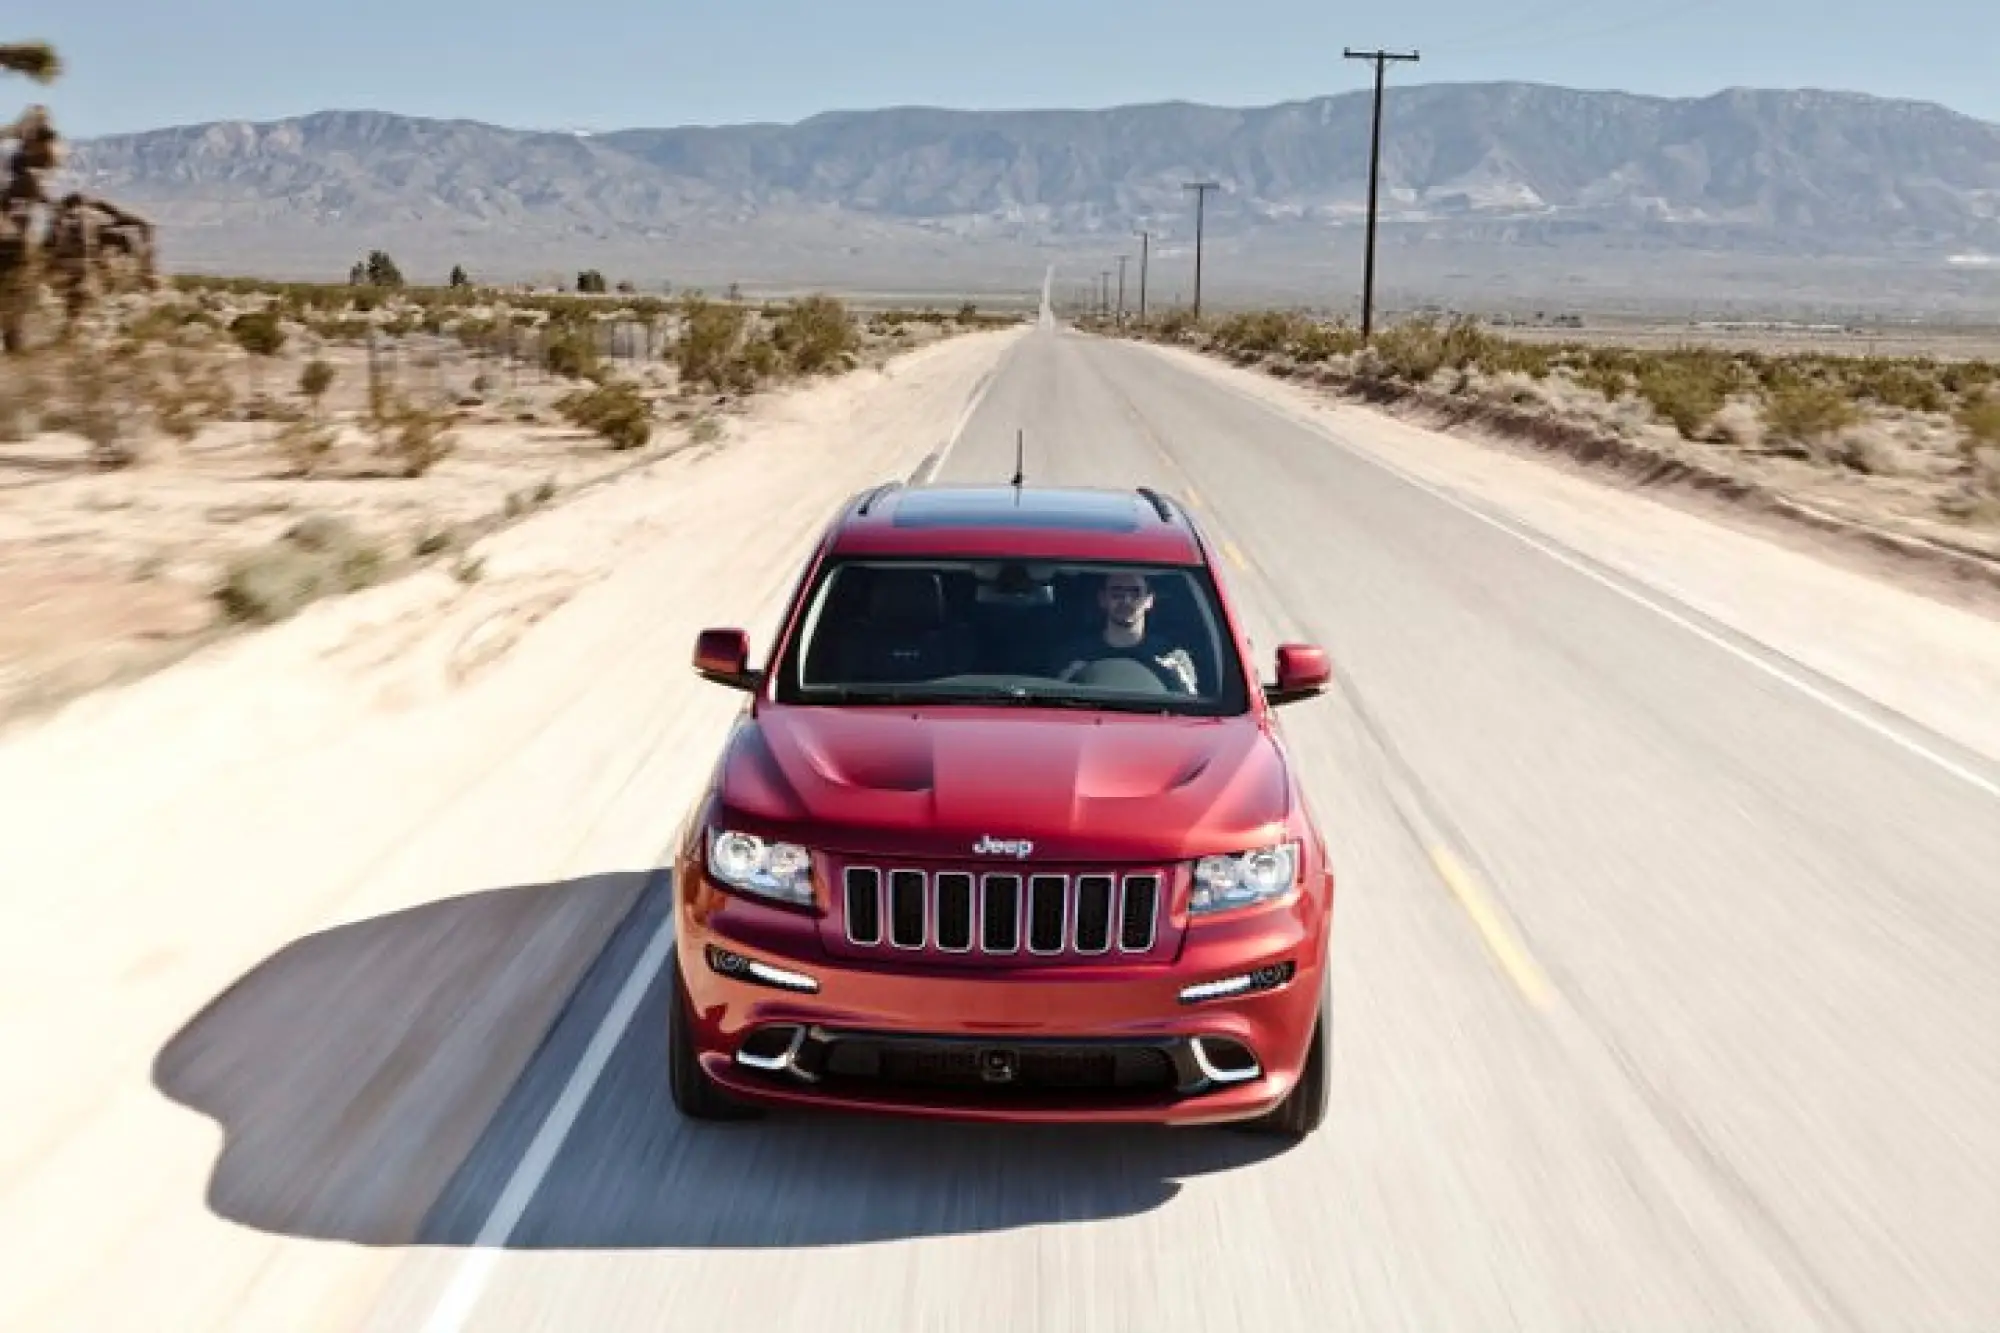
(1037, 633)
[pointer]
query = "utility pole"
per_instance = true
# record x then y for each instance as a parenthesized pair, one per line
(1121, 287)
(1145, 244)
(1201, 189)
(1104, 301)
(1381, 59)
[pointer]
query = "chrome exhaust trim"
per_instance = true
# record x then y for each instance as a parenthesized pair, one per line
(785, 1062)
(1214, 1073)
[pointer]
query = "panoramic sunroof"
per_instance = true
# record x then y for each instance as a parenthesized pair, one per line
(925, 508)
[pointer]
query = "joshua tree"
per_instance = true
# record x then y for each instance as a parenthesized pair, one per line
(94, 244)
(89, 242)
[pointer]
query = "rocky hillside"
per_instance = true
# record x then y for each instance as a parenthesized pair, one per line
(1744, 170)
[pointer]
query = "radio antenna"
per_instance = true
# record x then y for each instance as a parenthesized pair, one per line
(1020, 449)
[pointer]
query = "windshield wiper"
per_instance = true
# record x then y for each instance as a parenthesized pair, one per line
(864, 694)
(1027, 700)
(1000, 696)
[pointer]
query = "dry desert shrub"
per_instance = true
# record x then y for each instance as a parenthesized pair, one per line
(1806, 416)
(815, 334)
(319, 556)
(188, 390)
(414, 436)
(1980, 446)
(306, 444)
(615, 410)
(26, 393)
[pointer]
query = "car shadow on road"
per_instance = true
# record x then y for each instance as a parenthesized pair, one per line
(380, 1082)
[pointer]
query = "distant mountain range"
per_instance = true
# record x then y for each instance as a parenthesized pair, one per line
(1466, 167)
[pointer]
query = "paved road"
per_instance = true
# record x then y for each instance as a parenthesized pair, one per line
(1666, 992)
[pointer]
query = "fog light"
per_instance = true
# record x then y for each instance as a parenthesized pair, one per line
(1247, 983)
(728, 963)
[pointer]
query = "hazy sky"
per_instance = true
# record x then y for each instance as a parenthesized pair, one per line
(136, 64)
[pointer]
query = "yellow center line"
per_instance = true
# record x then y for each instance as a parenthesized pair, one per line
(1485, 916)
(1513, 958)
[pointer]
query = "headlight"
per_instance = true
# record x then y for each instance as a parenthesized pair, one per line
(778, 870)
(1223, 882)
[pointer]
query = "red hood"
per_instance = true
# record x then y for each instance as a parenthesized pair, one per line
(1081, 786)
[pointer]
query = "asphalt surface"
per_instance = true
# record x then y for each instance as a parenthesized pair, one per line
(1666, 993)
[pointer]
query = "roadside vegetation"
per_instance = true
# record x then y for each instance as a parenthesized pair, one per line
(1908, 444)
(181, 455)
(208, 452)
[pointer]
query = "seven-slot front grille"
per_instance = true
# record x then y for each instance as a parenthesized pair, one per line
(1001, 913)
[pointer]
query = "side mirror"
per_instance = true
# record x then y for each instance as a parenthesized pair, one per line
(1303, 672)
(723, 656)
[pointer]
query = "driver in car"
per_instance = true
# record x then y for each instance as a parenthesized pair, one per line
(1125, 599)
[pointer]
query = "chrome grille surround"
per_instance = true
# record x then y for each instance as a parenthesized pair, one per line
(1079, 914)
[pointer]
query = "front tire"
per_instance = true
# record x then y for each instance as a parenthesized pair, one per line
(695, 1094)
(1303, 1111)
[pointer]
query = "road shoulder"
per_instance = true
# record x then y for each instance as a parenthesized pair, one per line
(284, 922)
(1934, 663)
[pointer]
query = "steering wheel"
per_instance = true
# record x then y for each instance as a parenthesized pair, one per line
(1121, 673)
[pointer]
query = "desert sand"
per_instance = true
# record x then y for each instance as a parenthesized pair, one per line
(379, 751)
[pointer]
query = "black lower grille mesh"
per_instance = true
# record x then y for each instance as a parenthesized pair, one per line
(999, 1069)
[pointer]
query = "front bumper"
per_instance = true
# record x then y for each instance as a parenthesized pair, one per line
(1112, 1042)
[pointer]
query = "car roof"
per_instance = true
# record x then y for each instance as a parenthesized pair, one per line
(1028, 522)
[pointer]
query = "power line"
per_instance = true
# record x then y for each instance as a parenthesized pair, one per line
(1201, 189)
(1381, 59)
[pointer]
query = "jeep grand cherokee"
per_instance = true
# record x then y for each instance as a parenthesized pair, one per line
(982, 845)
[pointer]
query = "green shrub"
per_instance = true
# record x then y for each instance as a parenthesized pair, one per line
(320, 556)
(569, 348)
(815, 334)
(1805, 413)
(1980, 420)
(617, 411)
(258, 332)
(707, 346)
(1685, 392)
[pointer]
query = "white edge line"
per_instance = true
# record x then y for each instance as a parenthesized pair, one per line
(455, 1307)
(469, 1282)
(1805, 687)
(978, 397)
(964, 420)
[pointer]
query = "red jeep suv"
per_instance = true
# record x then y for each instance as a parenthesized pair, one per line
(1005, 831)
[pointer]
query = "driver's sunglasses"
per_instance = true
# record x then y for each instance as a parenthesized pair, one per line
(1125, 594)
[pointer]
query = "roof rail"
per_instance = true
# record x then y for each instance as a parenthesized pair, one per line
(877, 493)
(1159, 503)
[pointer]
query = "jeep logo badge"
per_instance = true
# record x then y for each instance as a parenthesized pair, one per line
(1018, 848)
(997, 1066)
